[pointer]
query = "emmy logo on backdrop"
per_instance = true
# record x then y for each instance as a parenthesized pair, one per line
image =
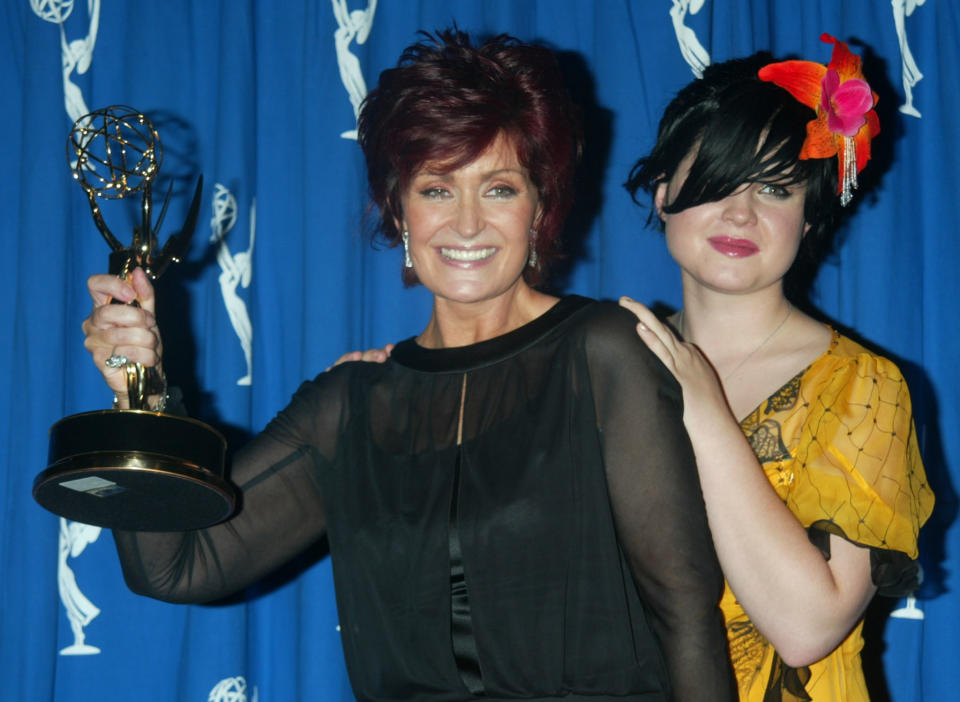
(74, 538)
(235, 270)
(352, 25)
(909, 70)
(908, 611)
(140, 468)
(75, 55)
(231, 690)
(690, 47)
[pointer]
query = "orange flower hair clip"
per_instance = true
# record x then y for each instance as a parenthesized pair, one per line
(844, 102)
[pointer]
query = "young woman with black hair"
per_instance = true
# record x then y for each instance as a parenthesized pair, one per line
(804, 439)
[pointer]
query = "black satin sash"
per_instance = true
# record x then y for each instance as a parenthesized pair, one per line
(461, 624)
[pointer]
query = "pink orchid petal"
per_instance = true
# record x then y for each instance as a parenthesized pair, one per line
(849, 104)
(853, 97)
(847, 125)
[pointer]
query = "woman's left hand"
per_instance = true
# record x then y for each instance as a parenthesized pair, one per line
(701, 387)
(763, 549)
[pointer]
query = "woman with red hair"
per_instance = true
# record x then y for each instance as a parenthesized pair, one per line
(510, 499)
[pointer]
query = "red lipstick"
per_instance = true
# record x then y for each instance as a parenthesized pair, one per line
(733, 247)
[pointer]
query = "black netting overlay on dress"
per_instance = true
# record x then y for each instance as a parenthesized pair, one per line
(580, 527)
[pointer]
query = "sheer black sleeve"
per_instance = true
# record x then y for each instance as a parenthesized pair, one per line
(280, 513)
(658, 506)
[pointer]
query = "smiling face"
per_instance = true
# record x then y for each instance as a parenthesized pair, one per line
(470, 228)
(741, 244)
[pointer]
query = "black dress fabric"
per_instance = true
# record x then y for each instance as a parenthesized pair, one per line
(559, 549)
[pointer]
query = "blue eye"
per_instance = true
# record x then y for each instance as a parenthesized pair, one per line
(434, 193)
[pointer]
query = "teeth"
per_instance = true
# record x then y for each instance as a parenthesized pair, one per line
(468, 254)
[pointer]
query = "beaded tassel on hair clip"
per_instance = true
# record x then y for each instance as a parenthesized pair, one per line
(843, 101)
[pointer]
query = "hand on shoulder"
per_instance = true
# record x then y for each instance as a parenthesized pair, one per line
(702, 391)
(369, 356)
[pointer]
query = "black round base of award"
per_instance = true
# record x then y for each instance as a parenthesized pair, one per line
(136, 470)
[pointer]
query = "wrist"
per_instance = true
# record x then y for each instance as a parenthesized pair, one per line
(708, 413)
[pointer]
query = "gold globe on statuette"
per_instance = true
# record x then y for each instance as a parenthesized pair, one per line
(138, 469)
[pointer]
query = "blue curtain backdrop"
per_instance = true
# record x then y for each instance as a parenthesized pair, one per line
(259, 97)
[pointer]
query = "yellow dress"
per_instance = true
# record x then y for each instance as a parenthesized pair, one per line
(838, 444)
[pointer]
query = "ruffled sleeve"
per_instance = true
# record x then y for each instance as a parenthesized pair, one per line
(857, 469)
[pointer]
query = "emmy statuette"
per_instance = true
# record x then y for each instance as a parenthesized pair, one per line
(138, 469)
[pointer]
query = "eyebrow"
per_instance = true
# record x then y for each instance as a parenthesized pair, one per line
(485, 176)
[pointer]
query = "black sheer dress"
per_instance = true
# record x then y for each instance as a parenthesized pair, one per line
(558, 549)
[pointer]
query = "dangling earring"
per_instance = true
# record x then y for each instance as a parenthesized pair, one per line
(532, 258)
(407, 261)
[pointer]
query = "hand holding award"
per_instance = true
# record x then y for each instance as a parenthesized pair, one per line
(136, 468)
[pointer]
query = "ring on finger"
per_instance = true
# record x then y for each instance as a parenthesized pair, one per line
(115, 361)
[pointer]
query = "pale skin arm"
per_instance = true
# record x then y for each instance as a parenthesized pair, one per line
(802, 603)
(123, 330)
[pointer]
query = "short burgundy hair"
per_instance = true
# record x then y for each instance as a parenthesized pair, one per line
(446, 101)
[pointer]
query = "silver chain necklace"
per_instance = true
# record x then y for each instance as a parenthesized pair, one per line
(750, 355)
